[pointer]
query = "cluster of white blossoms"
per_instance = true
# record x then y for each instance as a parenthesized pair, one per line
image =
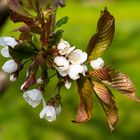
(34, 97)
(70, 62)
(9, 66)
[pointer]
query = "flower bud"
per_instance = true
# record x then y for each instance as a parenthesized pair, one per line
(13, 78)
(63, 47)
(5, 52)
(33, 97)
(58, 110)
(39, 80)
(28, 82)
(48, 113)
(10, 66)
(8, 41)
(97, 64)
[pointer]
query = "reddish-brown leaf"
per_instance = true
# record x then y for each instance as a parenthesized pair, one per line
(85, 91)
(18, 6)
(101, 74)
(102, 39)
(117, 80)
(16, 17)
(123, 84)
(108, 103)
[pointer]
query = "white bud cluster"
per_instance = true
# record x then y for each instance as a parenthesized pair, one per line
(9, 66)
(34, 97)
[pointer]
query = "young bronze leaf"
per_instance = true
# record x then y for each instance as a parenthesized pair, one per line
(18, 6)
(107, 100)
(103, 37)
(16, 17)
(101, 74)
(85, 91)
(123, 84)
(116, 80)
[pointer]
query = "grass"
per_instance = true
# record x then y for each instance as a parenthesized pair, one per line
(19, 121)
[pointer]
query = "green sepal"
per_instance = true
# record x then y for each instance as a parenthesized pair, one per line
(62, 21)
(21, 52)
(56, 39)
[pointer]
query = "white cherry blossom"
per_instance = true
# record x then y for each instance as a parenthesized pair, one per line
(8, 41)
(48, 113)
(97, 64)
(77, 56)
(5, 42)
(74, 71)
(10, 66)
(33, 97)
(63, 47)
(61, 62)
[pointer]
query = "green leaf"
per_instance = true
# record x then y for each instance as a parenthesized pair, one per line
(62, 21)
(102, 39)
(56, 39)
(107, 101)
(20, 52)
(85, 91)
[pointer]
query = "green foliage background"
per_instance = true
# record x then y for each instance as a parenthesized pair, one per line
(18, 121)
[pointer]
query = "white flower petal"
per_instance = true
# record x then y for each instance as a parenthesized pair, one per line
(58, 110)
(10, 66)
(74, 71)
(5, 52)
(48, 113)
(84, 70)
(8, 41)
(33, 97)
(22, 86)
(13, 78)
(62, 73)
(68, 84)
(61, 62)
(2, 42)
(77, 57)
(63, 47)
(42, 113)
(97, 64)
(70, 50)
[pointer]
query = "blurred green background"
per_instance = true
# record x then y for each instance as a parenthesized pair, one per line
(18, 121)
